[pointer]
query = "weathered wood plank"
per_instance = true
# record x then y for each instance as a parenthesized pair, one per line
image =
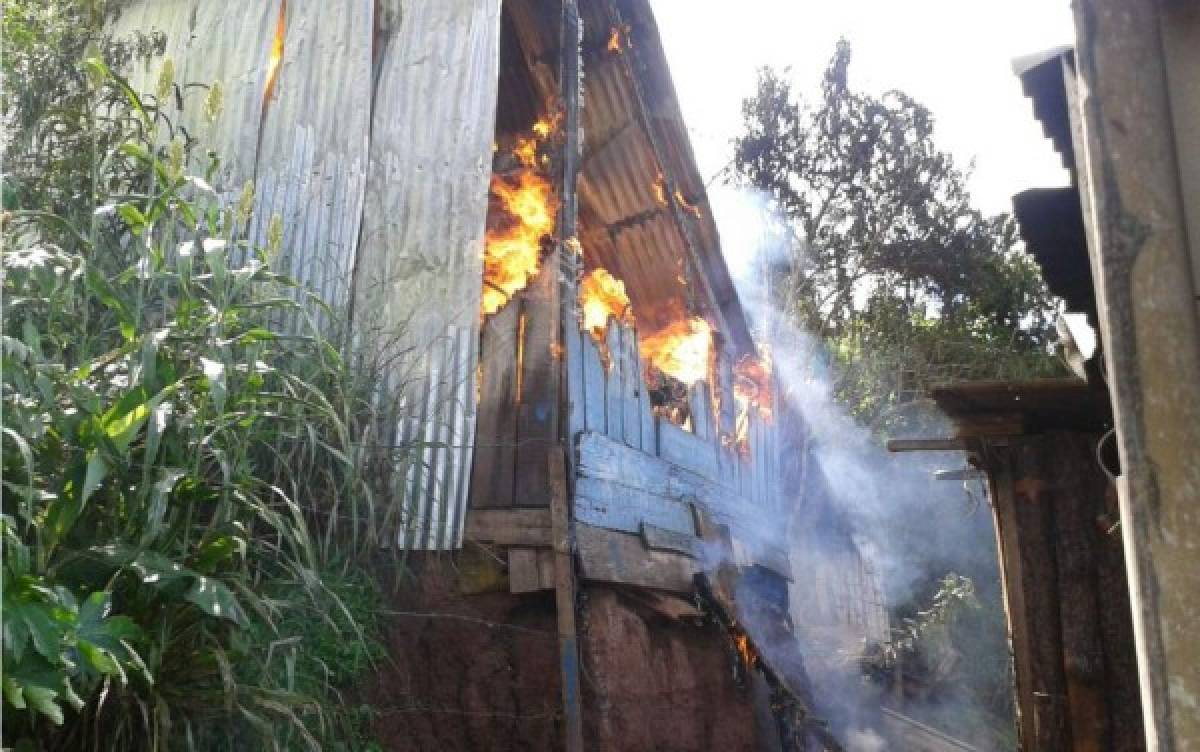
(523, 571)
(632, 387)
(618, 506)
(1035, 520)
(539, 401)
(700, 405)
(614, 407)
(646, 420)
(576, 400)
(595, 400)
(1012, 578)
(658, 538)
(602, 458)
(545, 566)
(608, 556)
(492, 474)
(562, 529)
(509, 527)
(1083, 656)
(688, 450)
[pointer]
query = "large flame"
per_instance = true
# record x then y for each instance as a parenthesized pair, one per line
(680, 349)
(511, 255)
(602, 295)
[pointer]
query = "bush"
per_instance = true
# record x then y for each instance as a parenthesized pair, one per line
(178, 452)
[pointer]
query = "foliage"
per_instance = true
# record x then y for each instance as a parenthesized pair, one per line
(884, 259)
(179, 460)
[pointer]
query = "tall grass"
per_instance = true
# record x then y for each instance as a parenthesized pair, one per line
(185, 480)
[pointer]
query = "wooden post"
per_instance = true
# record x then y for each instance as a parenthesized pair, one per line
(570, 81)
(564, 600)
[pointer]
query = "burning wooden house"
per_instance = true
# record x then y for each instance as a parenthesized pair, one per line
(511, 189)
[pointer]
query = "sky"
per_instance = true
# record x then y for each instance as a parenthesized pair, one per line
(954, 56)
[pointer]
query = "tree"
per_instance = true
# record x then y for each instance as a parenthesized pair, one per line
(885, 260)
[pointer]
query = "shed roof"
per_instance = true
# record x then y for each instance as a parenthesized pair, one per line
(1037, 405)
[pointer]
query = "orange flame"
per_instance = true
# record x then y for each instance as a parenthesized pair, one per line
(686, 205)
(614, 41)
(680, 350)
(547, 125)
(660, 190)
(602, 295)
(511, 255)
(526, 151)
(742, 642)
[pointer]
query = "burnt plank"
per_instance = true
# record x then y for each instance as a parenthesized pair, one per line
(538, 401)
(494, 465)
(614, 406)
(595, 401)
(607, 556)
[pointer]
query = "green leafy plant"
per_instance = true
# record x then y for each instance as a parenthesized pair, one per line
(180, 461)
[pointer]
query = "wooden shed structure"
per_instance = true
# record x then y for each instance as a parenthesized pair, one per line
(410, 147)
(1042, 446)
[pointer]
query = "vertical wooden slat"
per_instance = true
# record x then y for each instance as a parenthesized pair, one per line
(540, 399)
(1012, 571)
(1035, 520)
(631, 379)
(576, 407)
(496, 427)
(562, 538)
(595, 401)
(614, 407)
(646, 421)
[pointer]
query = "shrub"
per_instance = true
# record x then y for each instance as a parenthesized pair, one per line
(178, 455)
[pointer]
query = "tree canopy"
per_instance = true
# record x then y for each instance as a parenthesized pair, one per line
(884, 258)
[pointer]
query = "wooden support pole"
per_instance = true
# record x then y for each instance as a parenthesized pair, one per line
(570, 81)
(564, 600)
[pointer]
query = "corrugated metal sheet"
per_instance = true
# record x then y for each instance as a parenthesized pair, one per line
(421, 255)
(396, 158)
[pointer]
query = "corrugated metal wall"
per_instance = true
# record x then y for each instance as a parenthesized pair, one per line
(380, 174)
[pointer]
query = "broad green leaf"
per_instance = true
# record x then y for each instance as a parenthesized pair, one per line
(214, 599)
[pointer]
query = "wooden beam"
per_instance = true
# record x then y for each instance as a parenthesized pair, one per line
(564, 599)
(927, 445)
(608, 556)
(509, 527)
